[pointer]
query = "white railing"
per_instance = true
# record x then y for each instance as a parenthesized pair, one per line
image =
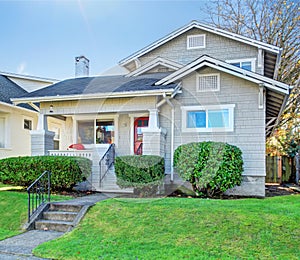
(81, 153)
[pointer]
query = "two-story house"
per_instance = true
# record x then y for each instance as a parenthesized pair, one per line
(198, 83)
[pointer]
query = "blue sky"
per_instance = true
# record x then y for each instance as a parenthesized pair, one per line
(42, 38)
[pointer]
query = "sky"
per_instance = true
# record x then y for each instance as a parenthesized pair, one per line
(42, 38)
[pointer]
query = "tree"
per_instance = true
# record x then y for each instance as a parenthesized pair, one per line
(275, 22)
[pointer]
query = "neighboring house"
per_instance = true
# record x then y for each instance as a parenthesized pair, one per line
(16, 122)
(196, 84)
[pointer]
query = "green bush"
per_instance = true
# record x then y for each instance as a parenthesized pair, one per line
(139, 170)
(66, 171)
(211, 167)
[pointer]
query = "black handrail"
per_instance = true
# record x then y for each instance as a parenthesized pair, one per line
(39, 193)
(139, 151)
(106, 162)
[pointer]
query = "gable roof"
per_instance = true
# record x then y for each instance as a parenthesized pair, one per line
(9, 89)
(206, 60)
(204, 27)
(276, 92)
(100, 87)
(159, 61)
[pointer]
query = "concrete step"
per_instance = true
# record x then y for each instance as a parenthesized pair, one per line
(60, 215)
(64, 207)
(53, 225)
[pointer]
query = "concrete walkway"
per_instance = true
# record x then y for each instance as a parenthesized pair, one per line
(20, 247)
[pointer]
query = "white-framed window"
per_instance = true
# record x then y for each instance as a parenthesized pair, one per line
(27, 124)
(213, 118)
(246, 64)
(208, 82)
(197, 41)
(2, 132)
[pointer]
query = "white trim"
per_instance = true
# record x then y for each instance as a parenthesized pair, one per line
(154, 63)
(252, 60)
(208, 75)
(141, 93)
(34, 78)
(185, 109)
(189, 37)
(16, 107)
(195, 24)
(225, 67)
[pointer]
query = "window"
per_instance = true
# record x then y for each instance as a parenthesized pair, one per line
(2, 132)
(27, 124)
(208, 118)
(95, 131)
(246, 64)
(195, 41)
(85, 132)
(208, 82)
(104, 132)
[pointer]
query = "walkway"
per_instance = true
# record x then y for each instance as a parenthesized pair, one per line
(20, 247)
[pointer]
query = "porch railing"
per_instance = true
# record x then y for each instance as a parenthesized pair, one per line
(106, 162)
(81, 153)
(39, 193)
(139, 151)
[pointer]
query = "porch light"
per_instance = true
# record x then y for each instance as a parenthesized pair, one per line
(51, 109)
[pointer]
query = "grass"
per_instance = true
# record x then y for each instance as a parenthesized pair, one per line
(13, 211)
(178, 228)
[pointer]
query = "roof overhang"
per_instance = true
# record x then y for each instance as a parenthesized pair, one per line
(18, 108)
(142, 93)
(28, 77)
(228, 68)
(159, 61)
(204, 27)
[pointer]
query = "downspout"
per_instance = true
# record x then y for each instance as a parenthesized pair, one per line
(172, 133)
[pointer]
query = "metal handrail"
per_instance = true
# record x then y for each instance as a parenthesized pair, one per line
(39, 193)
(109, 159)
(139, 151)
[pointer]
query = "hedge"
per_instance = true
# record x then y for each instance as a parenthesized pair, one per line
(66, 171)
(139, 170)
(211, 167)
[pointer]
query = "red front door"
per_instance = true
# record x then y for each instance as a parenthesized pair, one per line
(139, 123)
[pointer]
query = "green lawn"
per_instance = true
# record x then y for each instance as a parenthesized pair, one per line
(13, 211)
(182, 228)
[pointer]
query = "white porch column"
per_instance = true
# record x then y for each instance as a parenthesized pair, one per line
(154, 137)
(41, 139)
(153, 119)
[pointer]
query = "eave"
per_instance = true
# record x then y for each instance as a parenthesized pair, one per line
(142, 93)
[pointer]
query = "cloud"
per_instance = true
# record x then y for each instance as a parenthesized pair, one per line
(21, 68)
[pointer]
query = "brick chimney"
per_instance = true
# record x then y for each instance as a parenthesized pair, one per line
(81, 66)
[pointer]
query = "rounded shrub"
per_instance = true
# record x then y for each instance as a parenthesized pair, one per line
(142, 172)
(211, 167)
(65, 171)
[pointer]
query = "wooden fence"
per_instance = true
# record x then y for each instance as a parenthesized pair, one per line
(280, 169)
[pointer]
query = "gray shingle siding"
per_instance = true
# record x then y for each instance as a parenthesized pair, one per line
(218, 47)
(249, 126)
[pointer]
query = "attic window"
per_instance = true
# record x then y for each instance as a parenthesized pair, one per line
(195, 41)
(208, 82)
(27, 124)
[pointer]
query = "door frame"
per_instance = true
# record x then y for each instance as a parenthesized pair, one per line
(132, 117)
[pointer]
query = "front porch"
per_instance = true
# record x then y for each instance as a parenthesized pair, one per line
(101, 137)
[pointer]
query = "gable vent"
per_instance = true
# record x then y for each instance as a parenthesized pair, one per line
(196, 41)
(209, 82)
